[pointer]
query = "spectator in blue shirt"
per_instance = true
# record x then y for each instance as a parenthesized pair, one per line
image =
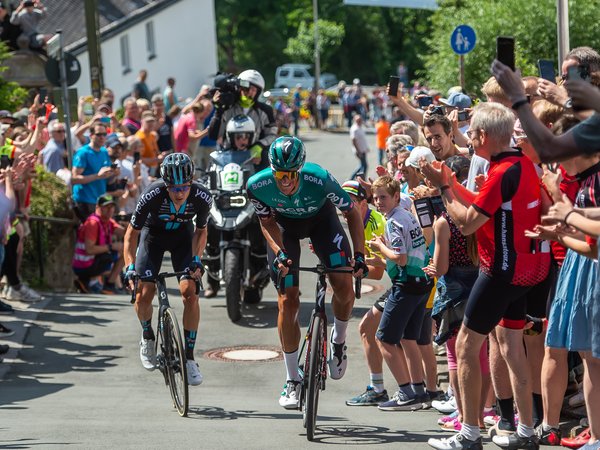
(54, 152)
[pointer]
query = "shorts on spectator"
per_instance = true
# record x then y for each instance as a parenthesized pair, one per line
(426, 326)
(402, 316)
(102, 263)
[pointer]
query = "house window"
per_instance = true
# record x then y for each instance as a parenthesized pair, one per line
(150, 44)
(125, 59)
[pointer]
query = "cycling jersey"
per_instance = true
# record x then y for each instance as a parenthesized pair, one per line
(511, 191)
(316, 187)
(405, 236)
(374, 223)
(156, 211)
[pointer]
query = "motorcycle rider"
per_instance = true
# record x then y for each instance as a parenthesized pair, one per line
(240, 136)
(251, 84)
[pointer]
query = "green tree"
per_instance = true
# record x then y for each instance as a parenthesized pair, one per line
(532, 24)
(12, 95)
(301, 47)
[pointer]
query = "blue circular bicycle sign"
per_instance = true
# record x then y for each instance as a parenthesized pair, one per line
(463, 39)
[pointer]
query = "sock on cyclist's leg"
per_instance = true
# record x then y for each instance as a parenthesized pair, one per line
(147, 331)
(377, 382)
(291, 365)
(190, 342)
(339, 331)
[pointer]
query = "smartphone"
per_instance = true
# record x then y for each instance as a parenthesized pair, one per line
(424, 102)
(546, 70)
(114, 166)
(136, 157)
(505, 51)
(393, 86)
(437, 204)
(463, 115)
(437, 110)
(4, 162)
(424, 212)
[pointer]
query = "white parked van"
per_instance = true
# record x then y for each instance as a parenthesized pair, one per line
(292, 75)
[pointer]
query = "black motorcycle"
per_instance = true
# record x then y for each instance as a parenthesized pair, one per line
(236, 250)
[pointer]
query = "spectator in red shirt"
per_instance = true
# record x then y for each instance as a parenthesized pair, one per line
(189, 129)
(511, 264)
(96, 255)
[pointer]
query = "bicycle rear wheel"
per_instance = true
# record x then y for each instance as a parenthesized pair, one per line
(314, 374)
(175, 360)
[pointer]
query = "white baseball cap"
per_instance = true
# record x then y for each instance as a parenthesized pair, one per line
(416, 154)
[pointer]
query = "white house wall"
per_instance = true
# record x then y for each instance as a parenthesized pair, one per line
(185, 48)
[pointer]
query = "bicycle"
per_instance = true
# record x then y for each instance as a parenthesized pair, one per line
(315, 357)
(171, 360)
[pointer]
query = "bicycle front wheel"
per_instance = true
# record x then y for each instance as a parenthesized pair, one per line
(314, 374)
(174, 353)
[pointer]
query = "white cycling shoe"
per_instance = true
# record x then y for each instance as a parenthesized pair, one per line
(148, 354)
(194, 376)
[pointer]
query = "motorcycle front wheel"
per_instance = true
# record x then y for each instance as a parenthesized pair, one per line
(232, 274)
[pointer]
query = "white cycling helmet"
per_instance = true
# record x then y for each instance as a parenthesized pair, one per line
(240, 124)
(253, 77)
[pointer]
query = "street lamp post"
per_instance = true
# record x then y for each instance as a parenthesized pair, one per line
(317, 58)
(562, 27)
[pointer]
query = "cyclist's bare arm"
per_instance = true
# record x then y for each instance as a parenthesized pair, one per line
(357, 230)
(130, 245)
(199, 241)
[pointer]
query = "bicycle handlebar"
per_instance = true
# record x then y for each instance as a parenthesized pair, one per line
(162, 276)
(321, 270)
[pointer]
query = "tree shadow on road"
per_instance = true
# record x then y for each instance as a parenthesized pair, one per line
(52, 346)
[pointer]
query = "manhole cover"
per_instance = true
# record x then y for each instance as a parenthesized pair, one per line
(244, 354)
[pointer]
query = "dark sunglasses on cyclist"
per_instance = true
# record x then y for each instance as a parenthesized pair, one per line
(179, 188)
(281, 174)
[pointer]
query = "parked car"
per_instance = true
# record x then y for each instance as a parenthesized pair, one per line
(292, 75)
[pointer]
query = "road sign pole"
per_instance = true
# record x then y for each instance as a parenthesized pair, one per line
(461, 71)
(62, 65)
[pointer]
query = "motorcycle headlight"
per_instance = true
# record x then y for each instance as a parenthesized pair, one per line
(237, 201)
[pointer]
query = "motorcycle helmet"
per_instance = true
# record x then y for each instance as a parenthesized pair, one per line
(287, 153)
(177, 168)
(251, 76)
(240, 124)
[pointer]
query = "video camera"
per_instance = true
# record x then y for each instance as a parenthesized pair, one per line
(229, 87)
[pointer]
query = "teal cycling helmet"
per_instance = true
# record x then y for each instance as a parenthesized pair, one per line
(287, 154)
(177, 168)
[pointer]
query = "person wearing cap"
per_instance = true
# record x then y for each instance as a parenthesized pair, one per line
(55, 151)
(91, 169)
(98, 261)
(411, 173)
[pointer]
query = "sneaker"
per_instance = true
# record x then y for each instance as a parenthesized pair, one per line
(291, 393)
(551, 436)
(491, 419)
(338, 360)
(592, 446)
(456, 442)
(193, 373)
(148, 354)
(501, 430)
(401, 402)
(514, 442)
(12, 295)
(454, 425)
(29, 295)
(94, 287)
(5, 331)
(368, 398)
(445, 407)
(6, 308)
(449, 418)
(489, 413)
(578, 441)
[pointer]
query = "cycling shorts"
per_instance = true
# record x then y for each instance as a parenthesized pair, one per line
(329, 241)
(153, 245)
(495, 302)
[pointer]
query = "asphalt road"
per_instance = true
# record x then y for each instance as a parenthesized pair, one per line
(73, 379)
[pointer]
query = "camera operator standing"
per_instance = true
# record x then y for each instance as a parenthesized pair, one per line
(235, 96)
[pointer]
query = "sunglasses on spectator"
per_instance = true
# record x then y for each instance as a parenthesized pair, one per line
(179, 188)
(60, 131)
(281, 174)
(100, 134)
